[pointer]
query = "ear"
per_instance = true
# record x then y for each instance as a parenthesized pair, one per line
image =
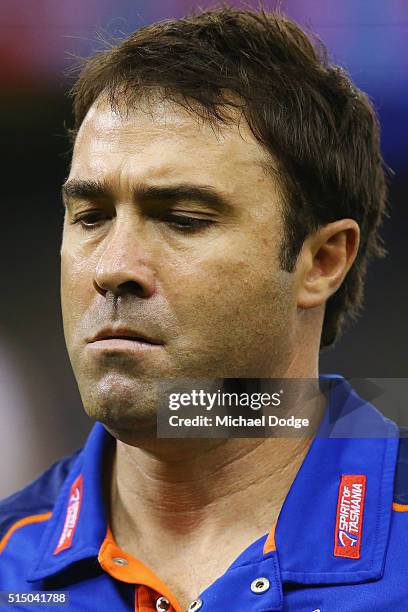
(326, 257)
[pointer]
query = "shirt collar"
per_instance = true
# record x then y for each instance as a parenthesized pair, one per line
(90, 520)
(353, 439)
(305, 529)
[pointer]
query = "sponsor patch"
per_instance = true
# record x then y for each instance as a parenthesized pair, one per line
(349, 516)
(71, 517)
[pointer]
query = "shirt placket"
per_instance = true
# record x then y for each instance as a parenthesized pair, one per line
(151, 595)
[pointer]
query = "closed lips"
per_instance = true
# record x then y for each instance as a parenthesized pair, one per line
(123, 335)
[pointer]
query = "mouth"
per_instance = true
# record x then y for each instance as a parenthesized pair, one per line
(123, 339)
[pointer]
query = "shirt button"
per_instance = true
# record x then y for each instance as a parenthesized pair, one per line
(162, 604)
(260, 585)
(195, 605)
(120, 561)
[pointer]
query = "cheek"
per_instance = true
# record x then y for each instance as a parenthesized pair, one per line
(236, 318)
(233, 289)
(76, 289)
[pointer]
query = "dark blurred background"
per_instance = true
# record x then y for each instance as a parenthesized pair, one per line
(41, 414)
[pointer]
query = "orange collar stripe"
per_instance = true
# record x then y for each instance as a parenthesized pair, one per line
(400, 507)
(270, 544)
(27, 520)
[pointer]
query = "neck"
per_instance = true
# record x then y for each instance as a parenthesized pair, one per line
(193, 497)
(188, 507)
(190, 490)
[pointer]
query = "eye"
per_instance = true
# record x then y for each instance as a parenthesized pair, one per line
(185, 223)
(90, 219)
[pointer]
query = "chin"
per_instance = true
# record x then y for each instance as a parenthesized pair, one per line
(129, 430)
(126, 406)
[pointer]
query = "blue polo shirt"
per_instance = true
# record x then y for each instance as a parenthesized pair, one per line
(340, 542)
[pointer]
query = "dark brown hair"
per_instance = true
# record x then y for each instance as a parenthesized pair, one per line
(322, 130)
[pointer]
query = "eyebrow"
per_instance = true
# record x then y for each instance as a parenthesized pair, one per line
(76, 189)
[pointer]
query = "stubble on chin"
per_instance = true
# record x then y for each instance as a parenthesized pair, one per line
(122, 404)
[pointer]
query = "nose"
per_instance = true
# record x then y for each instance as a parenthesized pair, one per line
(123, 264)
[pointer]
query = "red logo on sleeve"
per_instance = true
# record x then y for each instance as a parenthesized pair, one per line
(349, 517)
(71, 517)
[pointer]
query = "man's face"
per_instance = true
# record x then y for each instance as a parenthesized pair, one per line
(170, 259)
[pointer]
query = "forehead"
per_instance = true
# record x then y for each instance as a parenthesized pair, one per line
(163, 140)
